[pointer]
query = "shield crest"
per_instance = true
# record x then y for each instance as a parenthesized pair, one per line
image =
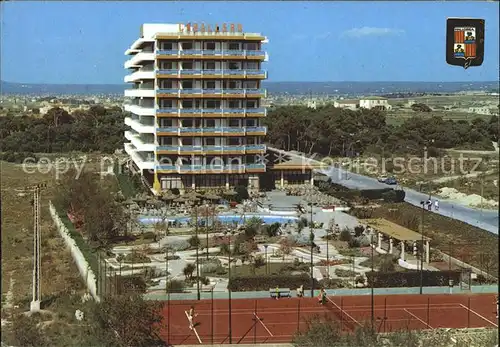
(465, 42)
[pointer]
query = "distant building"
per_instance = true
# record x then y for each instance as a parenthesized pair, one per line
(484, 110)
(312, 104)
(375, 102)
(347, 104)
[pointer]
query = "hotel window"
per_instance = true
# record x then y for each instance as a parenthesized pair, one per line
(210, 141)
(252, 65)
(187, 123)
(234, 141)
(251, 104)
(233, 65)
(187, 84)
(250, 84)
(234, 46)
(165, 123)
(167, 65)
(187, 104)
(187, 141)
(187, 65)
(166, 104)
(210, 45)
(187, 46)
(252, 46)
(251, 141)
(234, 123)
(210, 123)
(166, 141)
(168, 84)
(210, 85)
(233, 85)
(168, 45)
(210, 65)
(250, 122)
(234, 104)
(213, 104)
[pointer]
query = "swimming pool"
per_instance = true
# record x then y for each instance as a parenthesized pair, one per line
(226, 219)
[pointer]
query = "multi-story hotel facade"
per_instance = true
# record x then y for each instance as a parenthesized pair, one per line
(196, 106)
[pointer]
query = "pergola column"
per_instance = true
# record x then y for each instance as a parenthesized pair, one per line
(193, 184)
(402, 251)
(427, 252)
(227, 181)
(282, 179)
(391, 245)
(379, 240)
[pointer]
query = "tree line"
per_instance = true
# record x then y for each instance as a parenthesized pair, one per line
(333, 131)
(96, 129)
(326, 130)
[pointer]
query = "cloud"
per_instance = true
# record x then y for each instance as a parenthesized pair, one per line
(370, 31)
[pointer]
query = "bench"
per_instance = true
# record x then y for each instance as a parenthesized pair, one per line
(280, 293)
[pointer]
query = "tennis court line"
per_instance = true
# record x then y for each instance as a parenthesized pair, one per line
(194, 328)
(479, 315)
(417, 318)
(261, 322)
(341, 310)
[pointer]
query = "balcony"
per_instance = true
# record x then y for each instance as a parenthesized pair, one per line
(215, 131)
(212, 112)
(222, 73)
(211, 54)
(139, 127)
(140, 75)
(140, 93)
(139, 110)
(197, 169)
(141, 162)
(258, 167)
(211, 93)
(136, 60)
(208, 150)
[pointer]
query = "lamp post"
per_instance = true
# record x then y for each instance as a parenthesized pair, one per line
(372, 286)
(328, 230)
(206, 224)
(198, 294)
(311, 240)
(229, 293)
(422, 247)
(265, 248)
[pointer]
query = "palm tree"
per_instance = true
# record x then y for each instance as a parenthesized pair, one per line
(188, 271)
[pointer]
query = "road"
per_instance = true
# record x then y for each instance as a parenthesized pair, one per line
(484, 219)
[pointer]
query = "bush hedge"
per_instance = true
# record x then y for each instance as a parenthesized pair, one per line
(264, 282)
(412, 278)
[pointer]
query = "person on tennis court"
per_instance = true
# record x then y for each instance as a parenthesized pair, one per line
(191, 316)
(322, 296)
(497, 306)
(300, 291)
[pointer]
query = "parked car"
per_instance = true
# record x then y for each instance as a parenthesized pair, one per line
(391, 181)
(382, 178)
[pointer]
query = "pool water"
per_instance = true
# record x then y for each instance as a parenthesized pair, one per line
(226, 219)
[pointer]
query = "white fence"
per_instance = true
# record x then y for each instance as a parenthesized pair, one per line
(86, 272)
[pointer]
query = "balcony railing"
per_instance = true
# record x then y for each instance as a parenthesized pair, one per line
(218, 72)
(211, 53)
(187, 167)
(200, 111)
(259, 166)
(221, 92)
(206, 149)
(218, 130)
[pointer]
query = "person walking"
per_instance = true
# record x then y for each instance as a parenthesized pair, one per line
(436, 205)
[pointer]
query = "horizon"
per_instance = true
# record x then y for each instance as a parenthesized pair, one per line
(84, 43)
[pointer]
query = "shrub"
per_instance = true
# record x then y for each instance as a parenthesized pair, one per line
(131, 284)
(358, 230)
(136, 257)
(387, 264)
(176, 286)
(345, 273)
(353, 243)
(194, 241)
(264, 282)
(179, 245)
(412, 278)
(345, 235)
(333, 283)
(149, 235)
(211, 267)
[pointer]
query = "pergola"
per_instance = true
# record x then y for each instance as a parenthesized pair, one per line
(396, 232)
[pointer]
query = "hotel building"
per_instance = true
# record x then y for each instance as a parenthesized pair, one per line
(196, 106)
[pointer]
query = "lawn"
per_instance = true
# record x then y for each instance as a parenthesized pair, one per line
(59, 274)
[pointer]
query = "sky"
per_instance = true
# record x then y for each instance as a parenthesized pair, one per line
(84, 42)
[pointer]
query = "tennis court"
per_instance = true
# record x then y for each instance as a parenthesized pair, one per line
(276, 321)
